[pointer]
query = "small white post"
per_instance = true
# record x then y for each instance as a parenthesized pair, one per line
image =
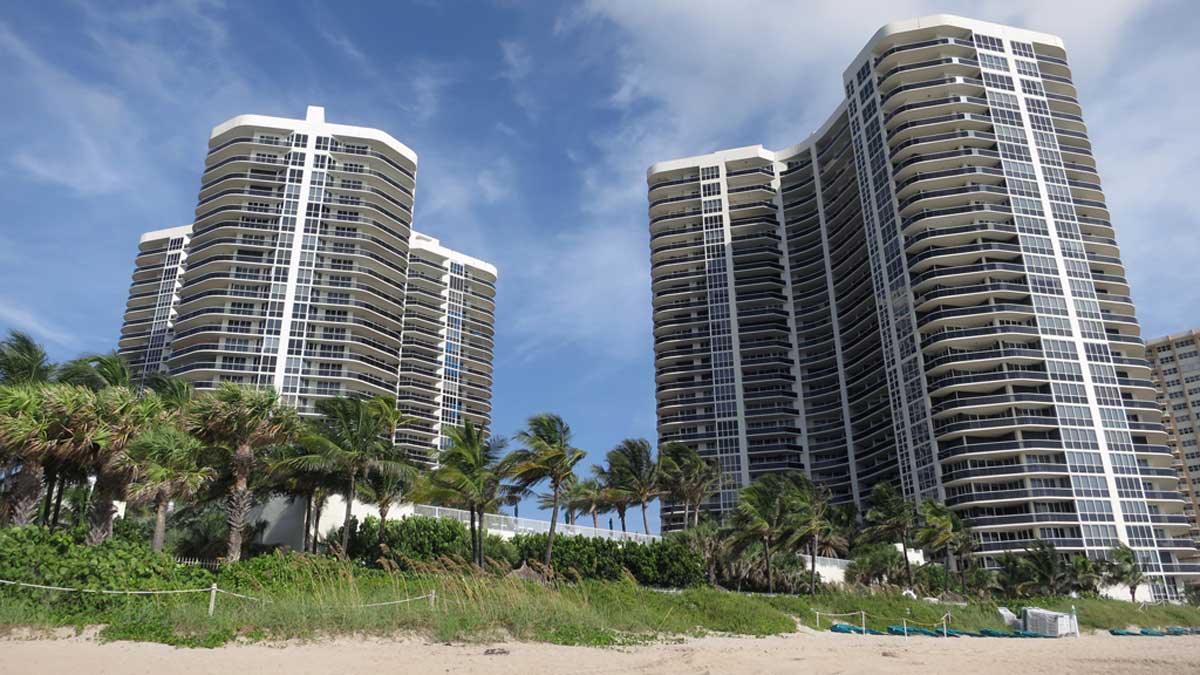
(945, 633)
(432, 599)
(212, 598)
(818, 619)
(863, 619)
(1075, 620)
(905, 622)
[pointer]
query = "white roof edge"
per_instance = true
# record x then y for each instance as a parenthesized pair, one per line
(313, 126)
(1170, 337)
(166, 233)
(426, 242)
(749, 150)
(974, 25)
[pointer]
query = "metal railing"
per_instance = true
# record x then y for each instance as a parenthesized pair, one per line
(501, 523)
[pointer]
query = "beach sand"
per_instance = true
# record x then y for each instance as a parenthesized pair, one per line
(805, 651)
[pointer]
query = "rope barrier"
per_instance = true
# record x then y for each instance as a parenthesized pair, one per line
(211, 590)
(65, 589)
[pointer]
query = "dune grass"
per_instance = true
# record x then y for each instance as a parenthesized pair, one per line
(311, 598)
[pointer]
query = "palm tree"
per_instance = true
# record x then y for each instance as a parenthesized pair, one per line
(813, 522)
(616, 497)
(97, 371)
(547, 456)
(24, 362)
(25, 425)
(471, 473)
(1047, 574)
(175, 392)
(638, 473)
(706, 541)
(964, 546)
(166, 465)
(892, 517)
(1125, 570)
(588, 497)
(688, 477)
(241, 423)
(382, 490)
(938, 524)
(764, 515)
(1083, 574)
(313, 486)
(124, 415)
(354, 440)
(1013, 573)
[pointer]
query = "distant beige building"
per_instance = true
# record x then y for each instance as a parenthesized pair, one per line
(1175, 360)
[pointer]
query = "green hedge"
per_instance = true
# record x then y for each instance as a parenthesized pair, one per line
(665, 564)
(36, 555)
(423, 539)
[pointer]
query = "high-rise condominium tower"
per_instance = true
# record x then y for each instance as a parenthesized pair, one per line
(926, 291)
(1176, 362)
(301, 272)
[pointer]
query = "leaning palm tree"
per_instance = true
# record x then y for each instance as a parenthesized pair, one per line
(353, 439)
(175, 392)
(763, 516)
(547, 456)
(471, 473)
(97, 371)
(312, 486)
(616, 497)
(384, 489)
(637, 472)
(167, 465)
(892, 517)
(1125, 570)
(689, 478)
(23, 360)
(241, 423)
(964, 546)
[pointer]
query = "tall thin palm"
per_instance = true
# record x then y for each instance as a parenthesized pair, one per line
(938, 524)
(892, 517)
(1126, 570)
(471, 473)
(176, 393)
(616, 496)
(383, 490)
(310, 485)
(241, 423)
(166, 465)
(638, 473)
(354, 439)
(97, 371)
(547, 456)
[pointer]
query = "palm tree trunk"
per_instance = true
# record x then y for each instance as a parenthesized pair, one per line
(554, 521)
(645, 518)
(238, 505)
(907, 564)
(383, 513)
(812, 575)
(58, 499)
(27, 488)
(595, 519)
(767, 557)
(696, 513)
(685, 516)
(621, 513)
(106, 490)
(308, 513)
(160, 524)
(318, 507)
(474, 538)
(51, 481)
(482, 532)
(346, 520)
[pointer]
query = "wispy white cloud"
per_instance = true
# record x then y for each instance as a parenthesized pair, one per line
(20, 318)
(518, 65)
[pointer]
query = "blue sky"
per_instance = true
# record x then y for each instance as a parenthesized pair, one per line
(534, 122)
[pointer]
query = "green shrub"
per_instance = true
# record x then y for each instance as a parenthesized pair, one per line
(416, 538)
(666, 564)
(36, 555)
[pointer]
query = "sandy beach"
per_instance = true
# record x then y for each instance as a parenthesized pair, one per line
(802, 652)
